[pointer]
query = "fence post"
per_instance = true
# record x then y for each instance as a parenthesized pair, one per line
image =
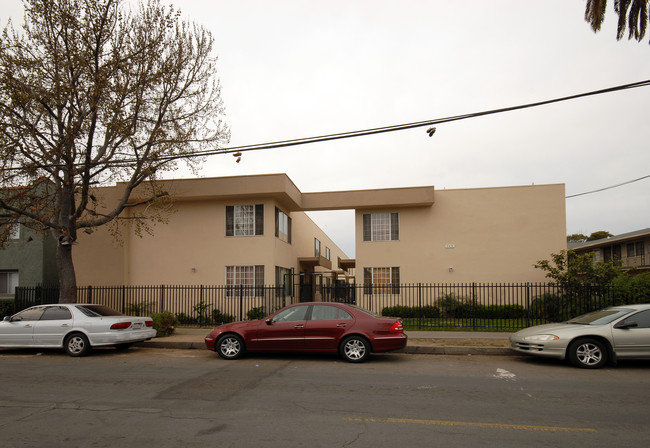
(123, 299)
(162, 299)
(420, 314)
(528, 310)
(201, 306)
(241, 302)
(89, 294)
(474, 306)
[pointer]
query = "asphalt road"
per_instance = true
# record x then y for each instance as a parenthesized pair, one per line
(191, 398)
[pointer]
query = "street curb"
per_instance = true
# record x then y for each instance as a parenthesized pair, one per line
(409, 350)
(459, 350)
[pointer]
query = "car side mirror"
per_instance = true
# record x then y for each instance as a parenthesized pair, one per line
(269, 321)
(625, 325)
(7, 319)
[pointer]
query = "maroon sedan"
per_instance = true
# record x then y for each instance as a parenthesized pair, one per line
(311, 327)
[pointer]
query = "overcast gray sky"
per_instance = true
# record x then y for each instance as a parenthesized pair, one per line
(293, 69)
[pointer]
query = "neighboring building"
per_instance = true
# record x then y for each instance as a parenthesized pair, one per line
(27, 259)
(253, 230)
(628, 250)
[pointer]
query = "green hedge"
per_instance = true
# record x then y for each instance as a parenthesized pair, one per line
(459, 311)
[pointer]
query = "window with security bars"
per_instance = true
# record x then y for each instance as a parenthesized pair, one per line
(248, 280)
(245, 220)
(381, 227)
(381, 280)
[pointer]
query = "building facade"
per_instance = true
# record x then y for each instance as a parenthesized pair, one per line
(628, 250)
(27, 258)
(253, 230)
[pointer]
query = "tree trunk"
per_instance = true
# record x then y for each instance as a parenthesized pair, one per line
(67, 278)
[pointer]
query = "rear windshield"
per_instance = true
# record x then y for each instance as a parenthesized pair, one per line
(600, 317)
(98, 310)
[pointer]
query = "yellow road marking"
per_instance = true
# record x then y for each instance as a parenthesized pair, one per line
(474, 424)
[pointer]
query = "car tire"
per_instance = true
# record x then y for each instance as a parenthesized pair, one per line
(587, 353)
(355, 349)
(76, 344)
(230, 346)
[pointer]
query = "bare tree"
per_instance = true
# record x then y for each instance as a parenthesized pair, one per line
(91, 93)
(632, 15)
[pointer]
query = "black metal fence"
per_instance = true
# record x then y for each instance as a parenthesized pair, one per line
(470, 306)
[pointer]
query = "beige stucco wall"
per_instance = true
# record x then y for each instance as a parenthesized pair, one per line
(472, 235)
(483, 235)
(192, 247)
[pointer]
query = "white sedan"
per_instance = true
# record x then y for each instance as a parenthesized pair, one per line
(74, 327)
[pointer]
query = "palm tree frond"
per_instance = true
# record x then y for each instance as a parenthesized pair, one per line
(621, 7)
(638, 19)
(595, 13)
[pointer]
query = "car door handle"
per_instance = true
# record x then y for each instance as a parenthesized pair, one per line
(341, 325)
(65, 325)
(299, 326)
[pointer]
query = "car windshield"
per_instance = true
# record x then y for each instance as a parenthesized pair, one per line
(98, 310)
(601, 317)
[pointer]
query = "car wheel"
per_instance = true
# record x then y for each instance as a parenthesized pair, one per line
(587, 353)
(76, 345)
(355, 349)
(230, 346)
(125, 346)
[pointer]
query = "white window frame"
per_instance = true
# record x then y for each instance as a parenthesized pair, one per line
(374, 280)
(381, 226)
(251, 277)
(282, 226)
(245, 220)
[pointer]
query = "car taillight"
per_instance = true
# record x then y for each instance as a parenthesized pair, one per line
(397, 327)
(148, 323)
(120, 325)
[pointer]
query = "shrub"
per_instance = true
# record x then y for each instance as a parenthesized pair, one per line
(6, 308)
(164, 323)
(548, 307)
(452, 306)
(630, 289)
(220, 318)
(256, 313)
(185, 319)
(139, 309)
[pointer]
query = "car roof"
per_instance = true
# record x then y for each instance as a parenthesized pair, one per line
(636, 306)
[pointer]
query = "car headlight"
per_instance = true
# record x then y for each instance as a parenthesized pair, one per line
(542, 338)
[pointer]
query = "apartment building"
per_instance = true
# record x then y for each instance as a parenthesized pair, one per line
(253, 230)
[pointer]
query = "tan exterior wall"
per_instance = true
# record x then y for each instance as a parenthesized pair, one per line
(468, 235)
(477, 235)
(192, 247)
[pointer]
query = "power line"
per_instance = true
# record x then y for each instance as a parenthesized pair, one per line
(607, 188)
(400, 127)
(364, 132)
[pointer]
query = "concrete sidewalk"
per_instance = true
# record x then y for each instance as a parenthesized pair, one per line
(419, 342)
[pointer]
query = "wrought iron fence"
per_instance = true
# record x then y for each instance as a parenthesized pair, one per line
(468, 306)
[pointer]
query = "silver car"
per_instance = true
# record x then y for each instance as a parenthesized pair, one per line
(593, 339)
(74, 327)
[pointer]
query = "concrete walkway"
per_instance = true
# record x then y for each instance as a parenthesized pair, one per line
(419, 342)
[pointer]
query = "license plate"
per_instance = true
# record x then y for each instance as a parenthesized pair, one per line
(136, 325)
